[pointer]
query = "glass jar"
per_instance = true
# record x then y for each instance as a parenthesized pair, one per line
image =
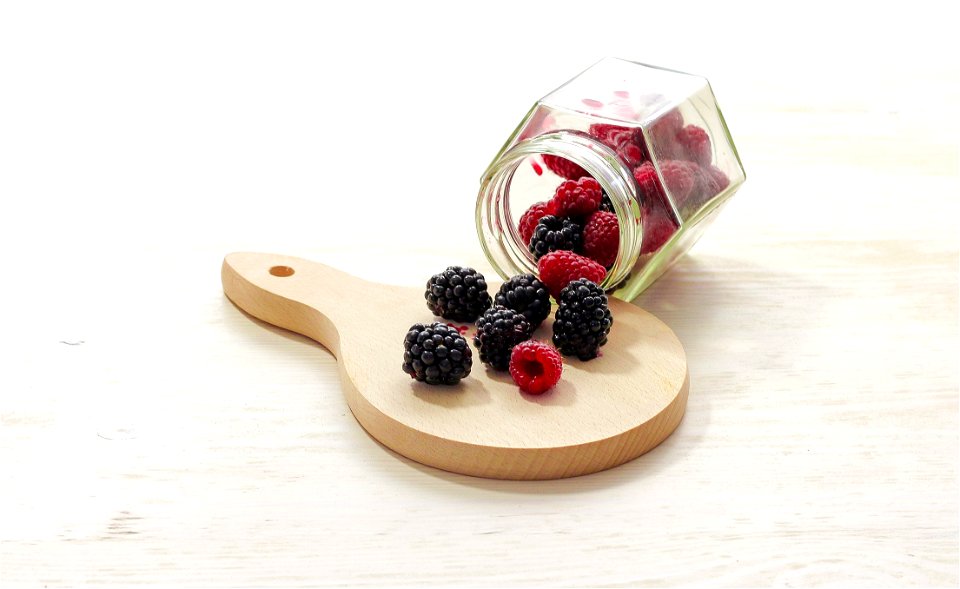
(655, 141)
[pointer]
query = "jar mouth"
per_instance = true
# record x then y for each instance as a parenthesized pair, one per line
(498, 230)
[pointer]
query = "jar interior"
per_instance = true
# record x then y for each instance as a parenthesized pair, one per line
(660, 131)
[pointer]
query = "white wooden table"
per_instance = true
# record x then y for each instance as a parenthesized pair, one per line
(150, 433)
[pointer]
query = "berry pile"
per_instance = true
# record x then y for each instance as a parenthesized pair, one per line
(438, 353)
(580, 216)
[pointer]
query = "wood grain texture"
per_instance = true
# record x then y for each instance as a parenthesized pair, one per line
(603, 413)
(152, 434)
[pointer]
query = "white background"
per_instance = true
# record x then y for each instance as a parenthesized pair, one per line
(139, 142)
(138, 128)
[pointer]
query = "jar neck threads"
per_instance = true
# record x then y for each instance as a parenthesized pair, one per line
(497, 229)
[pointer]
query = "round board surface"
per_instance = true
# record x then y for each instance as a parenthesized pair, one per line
(602, 413)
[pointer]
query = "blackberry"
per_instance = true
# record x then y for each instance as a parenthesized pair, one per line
(527, 295)
(457, 293)
(606, 204)
(582, 321)
(436, 354)
(498, 331)
(555, 233)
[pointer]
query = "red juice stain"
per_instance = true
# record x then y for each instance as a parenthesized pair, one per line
(537, 168)
(592, 103)
(621, 94)
(462, 329)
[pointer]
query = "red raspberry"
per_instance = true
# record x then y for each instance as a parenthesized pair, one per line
(663, 135)
(679, 176)
(648, 182)
(695, 144)
(560, 268)
(530, 218)
(535, 366)
(658, 227)
(627, 142)
(612, 135)
(632, 154)
(563, 167)
(667, 126)
(601, 238)
(580, 197)
(717, 180)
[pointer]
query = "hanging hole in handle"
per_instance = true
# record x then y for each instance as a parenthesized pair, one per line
(281, 271)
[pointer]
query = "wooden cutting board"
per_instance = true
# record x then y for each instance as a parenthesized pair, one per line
(601, 414)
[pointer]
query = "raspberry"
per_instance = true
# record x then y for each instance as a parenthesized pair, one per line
(498, 331)
(601, 238)
(563, 167)
(632, 154)
(647, 182)
(457, 293)
(535, 366)
(710, 182)
(555, 233)
(695, 144)
(627, 142)
(666, 128)
(663, 136)
(714, 181)
(558, 269)
(577, 197)
(658, 227)
(527, 295)
(436, 354)
(608, 133)
(679, 176)
(532, 216)
(582, 320)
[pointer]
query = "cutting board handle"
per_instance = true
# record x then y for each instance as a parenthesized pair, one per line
(282, 290)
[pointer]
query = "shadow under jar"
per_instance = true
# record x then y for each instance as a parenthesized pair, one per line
(655, 141)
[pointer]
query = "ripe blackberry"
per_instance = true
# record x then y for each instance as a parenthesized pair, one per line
(555, 233)
(457, 293)
(498, 331)
(606, 205)
(582, 321)
(525, 294)
(436, 354)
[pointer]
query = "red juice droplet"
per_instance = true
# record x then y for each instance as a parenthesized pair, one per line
(537, 168)
(592, 103)
(621, 94)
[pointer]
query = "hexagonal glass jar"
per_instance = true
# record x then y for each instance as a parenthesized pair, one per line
(653, 138)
